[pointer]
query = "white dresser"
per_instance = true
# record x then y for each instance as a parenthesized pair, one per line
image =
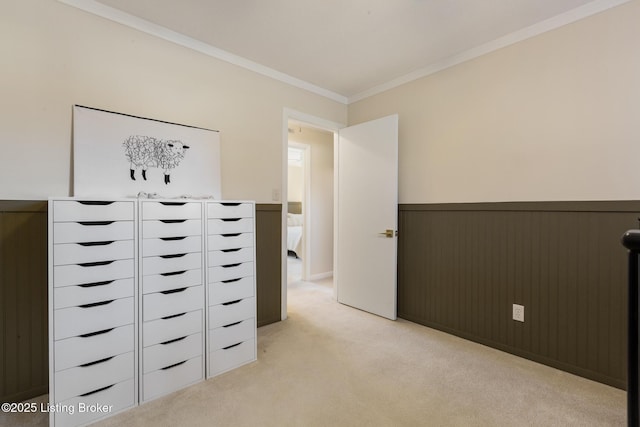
(172, 296)
(231, 285)
(93, 354)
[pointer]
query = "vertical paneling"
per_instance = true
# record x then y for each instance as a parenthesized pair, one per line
(462, 266)
(268, 262)
(23, 300)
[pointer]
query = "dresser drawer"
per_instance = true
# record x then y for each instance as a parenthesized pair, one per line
(230, 241)
(171, 263)
(168, 303)
(234, 333)
(171, 245)
(232, 290)
(72, 352)
(229, 256)
(229, 210)
(172, 280)
(231, 357)
(171, 228)
(171, 210)
(74, 382)
(119, 396)
(171, 378)
(161, 330)
(92, 231)
(172, 351)
(229, 225)
(78, 274)
(74, 321)
(71, 296)
(229, 272)
(231, 312)
(89, 210)
(76, 253)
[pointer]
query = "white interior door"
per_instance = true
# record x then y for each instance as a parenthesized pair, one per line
(368, 207)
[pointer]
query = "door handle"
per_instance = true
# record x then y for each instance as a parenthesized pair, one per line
(388, 233)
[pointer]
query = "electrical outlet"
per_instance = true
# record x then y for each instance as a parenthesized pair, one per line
(518, 312)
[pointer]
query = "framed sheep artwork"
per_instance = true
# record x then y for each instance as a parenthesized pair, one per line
(120, 155)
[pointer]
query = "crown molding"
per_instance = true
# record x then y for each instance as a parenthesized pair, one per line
(115, 15)
(557, 21)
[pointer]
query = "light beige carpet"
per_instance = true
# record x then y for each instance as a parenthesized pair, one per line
(331, 365)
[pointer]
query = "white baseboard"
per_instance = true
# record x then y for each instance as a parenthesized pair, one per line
(321, 276)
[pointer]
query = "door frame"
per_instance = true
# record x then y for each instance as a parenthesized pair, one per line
(321, 123)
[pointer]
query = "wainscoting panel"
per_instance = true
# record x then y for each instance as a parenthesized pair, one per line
(23, 300)
(462, 266)
(269, 262)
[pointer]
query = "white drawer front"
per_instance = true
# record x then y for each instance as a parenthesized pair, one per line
(118, 397)
(171, 210)
(100, 231)
(155, 306)
(71, 296)
(225, 359)
(225, 314)
(77, 274)
(171, 245)
(229, 210)
(232, 290)
(172, 280)
(76, 253)
(74, 382)
(171, 352)
(229, 272)
(234, 333)
(163, 381)
(161, 330)
(230, 241)
(74, 321)
(171, 263)
(76, 351)
(229, 256)
(87, 210)
(232, 225)
(171, 228)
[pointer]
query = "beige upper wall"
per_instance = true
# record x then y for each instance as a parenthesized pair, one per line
(55, 56)
(555, 117)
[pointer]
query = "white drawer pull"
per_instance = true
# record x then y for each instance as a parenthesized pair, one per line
(92, 223)
(231, 235)
(232, 324)
(96, 304)
(93, 334)
(231, 302)
(172, 256)
(174, 340)
(170, 239)
(230, 219)
(94, 202)
(231, 346)
(174, 365)
(95, 264)
(231, 250)
(173, 203)
(231, 280)
(97, 391)
(94, 284)
(230, 204)
(230, 265)
(173, 273)
(173, 316)
(106, 359)
(173, 221)
(173, 291)
(106, 243)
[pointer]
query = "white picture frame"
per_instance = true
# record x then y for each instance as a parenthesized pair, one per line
(119, 155)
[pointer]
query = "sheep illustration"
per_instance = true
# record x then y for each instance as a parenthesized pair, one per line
(145, 151)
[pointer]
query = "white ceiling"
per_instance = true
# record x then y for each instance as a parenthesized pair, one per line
(346, 49)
